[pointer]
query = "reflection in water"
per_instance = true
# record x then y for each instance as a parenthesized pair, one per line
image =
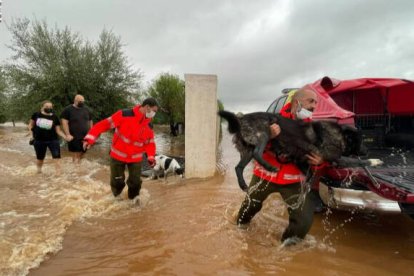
(71, 224)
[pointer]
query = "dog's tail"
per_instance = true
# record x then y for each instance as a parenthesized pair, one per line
(234, 123)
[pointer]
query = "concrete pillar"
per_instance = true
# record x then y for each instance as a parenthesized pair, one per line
(200, 125)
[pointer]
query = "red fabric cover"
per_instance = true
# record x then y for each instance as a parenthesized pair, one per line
(371, 95)
(401, 99)
(328, 109)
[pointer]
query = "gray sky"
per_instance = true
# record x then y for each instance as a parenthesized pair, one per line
(256, 48)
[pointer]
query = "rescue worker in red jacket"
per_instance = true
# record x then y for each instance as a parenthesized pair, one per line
(287, 181)
(132, 138)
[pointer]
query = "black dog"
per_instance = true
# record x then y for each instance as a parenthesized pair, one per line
(296, 139)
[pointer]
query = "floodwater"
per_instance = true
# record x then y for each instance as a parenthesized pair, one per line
(70, 224)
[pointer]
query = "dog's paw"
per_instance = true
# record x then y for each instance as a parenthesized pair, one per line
(375, 162)
(244, 187)
(289, 242)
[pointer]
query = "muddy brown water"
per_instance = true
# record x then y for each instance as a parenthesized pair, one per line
(70, 224)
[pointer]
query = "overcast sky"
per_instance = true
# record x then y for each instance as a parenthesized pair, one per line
(256, 48)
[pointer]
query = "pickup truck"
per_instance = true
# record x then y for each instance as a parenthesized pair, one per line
(383, 111)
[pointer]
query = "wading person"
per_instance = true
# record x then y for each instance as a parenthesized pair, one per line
(76, 122)
(44, 127)
(132, 138)
(287, 181)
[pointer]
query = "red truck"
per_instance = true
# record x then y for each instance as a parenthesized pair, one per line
(383, 110)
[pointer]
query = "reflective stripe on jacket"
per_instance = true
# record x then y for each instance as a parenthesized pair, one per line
(288, 173)
(132, 137)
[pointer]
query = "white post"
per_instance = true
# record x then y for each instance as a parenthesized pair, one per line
(200, 125)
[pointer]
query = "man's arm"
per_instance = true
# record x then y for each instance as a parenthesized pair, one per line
(61, 133)
(150, 148)
(65, 126)
(104, 125)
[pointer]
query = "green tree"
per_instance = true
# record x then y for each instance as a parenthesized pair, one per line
(168, 89)
(3, 97)
(55, 64)
(11, 104)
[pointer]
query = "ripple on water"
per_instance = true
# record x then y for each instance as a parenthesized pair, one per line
(176, 227)
(42, 207)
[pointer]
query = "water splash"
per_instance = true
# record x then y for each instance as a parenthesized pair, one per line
(33, 225)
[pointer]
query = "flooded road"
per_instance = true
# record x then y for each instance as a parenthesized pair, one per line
(71, 225)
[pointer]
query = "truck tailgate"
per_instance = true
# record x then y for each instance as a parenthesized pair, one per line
(398, 168)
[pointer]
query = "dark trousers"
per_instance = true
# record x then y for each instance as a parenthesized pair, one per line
(300, 217)
(41, 148)
(118, 177)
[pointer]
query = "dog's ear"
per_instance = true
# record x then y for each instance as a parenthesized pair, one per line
(350, 134)
(353, 141)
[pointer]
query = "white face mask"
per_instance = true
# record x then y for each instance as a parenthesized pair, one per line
(303, 113)
(150, 114)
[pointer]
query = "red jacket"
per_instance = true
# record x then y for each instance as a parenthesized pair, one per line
(132, 136)
(288, 173)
